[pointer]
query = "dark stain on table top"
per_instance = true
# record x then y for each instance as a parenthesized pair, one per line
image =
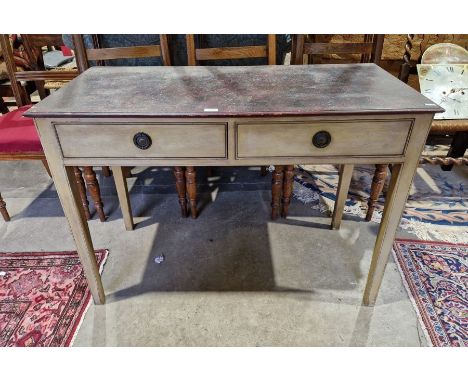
(236, 91)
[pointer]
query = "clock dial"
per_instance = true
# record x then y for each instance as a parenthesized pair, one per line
(447, 86)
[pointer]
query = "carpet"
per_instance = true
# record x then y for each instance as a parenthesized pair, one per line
(43, 297)
(435, 275)
(437, 207)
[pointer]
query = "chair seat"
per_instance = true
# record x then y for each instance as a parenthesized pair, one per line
(18, 133)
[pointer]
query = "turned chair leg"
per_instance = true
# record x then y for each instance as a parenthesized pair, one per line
(457, 148)
(276, 187)
(94, 190)
(3, 209)
(288, 184)
(190, 176)
(106, 171)
(82, 191)
(181, 189)
(378, 182)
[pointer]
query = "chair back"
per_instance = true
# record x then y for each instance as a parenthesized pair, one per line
(370, 49)
(194, 54)
(38, 75)
(97, 53)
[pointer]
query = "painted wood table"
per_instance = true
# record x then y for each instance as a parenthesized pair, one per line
(234, 116)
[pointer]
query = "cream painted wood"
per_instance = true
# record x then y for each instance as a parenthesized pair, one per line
(267, 138)
(124, 200)
(233, 116)
(114, 139)
(64, 181)
(126, 160)
(393, 210)
(346, 172)
(402, 178)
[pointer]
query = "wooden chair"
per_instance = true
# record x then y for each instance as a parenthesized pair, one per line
(370, 51)
(18, 136)
(33, 44)
(6, 91)
(100, 55)
(197, 55)
(458, 129)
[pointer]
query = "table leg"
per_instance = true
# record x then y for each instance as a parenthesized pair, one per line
(124, 200)
(190, 176)
(276, 187)
(181, 189)
(402, 175)
(64, 180)
(346, 173)
(288, 184)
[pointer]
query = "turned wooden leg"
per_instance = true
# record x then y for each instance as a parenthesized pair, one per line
(457, 148)
(276, 187)
(181, 189)
(3, 209)
(106, 171)
(127, 172)
(190, 176)
(376, 189)
(46, 166)
(3, 106)
(288, 184)
(93, 187)
(263, 171)
(82, 191)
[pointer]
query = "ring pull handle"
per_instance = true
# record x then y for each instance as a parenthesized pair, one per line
(142, 141)
(321, 139)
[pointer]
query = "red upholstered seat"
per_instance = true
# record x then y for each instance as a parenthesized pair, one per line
(18, 133)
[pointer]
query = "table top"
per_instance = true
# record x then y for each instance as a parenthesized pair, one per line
(233, 91)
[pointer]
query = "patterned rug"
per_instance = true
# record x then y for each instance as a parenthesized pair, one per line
(437, 208)
(435, 275)
(43, 297)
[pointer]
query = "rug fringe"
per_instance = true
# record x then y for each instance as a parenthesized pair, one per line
(88, 304)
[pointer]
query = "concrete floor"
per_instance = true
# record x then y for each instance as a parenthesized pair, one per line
(230, 278)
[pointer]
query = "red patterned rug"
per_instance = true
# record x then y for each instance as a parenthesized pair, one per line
(435, 275)
(43, 297)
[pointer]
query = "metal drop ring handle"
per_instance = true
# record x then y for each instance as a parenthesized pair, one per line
(321, 139)
(142, 141)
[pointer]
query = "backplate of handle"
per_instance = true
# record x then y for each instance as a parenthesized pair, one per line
(321, 139)
(142, 141)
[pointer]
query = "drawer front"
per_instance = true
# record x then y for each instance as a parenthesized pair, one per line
(116, 140)
(295, 139)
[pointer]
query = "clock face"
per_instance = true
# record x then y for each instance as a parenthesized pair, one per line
(447, 86)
